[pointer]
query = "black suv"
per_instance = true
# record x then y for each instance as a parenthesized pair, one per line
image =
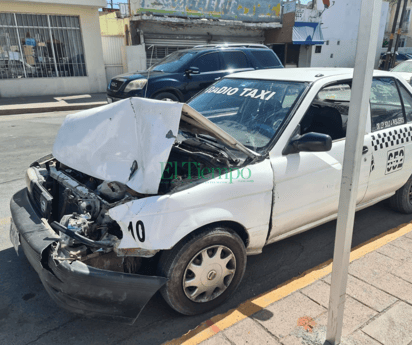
(184, 73)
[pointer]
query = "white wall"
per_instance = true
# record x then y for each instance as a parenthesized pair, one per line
(95, 80)
(340, 27)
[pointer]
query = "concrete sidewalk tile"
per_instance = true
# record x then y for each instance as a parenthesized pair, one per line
(248, 331)
(396, 253)
(365, 293)
(318, 291)
(281, 317)
(393, 327)
(404, 271)
(355, 315)
(404, 243)
(393, 285)
(359, 338)
(372, 264)
(218, 339)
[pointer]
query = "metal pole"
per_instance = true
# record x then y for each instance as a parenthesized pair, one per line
(52, 46)
(398, 36)
(358, 110)
(395, 20)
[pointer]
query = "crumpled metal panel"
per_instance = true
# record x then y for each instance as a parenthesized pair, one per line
(125, 141)
(247, 10)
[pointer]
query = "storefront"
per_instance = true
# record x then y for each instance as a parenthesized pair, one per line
(50, 48)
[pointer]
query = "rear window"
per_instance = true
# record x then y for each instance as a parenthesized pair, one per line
(266, 58)
(235, 60)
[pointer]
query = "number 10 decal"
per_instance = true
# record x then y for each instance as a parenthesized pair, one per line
(138, 231)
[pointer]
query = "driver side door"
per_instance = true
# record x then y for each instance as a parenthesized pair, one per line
(307, 184)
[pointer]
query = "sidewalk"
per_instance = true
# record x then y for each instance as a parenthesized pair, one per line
(378, 307)
(41, 104)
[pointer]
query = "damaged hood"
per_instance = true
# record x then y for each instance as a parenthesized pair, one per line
(130, 141)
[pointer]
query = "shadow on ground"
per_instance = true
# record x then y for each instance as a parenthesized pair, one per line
(27, 315)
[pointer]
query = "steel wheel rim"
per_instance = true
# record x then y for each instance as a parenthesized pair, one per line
(209, 273)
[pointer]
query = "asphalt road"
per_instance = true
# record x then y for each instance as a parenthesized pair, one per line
(27, 314)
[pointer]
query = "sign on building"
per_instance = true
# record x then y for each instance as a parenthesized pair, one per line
(246, 10)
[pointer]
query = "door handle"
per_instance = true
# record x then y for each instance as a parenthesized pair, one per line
(365, 150)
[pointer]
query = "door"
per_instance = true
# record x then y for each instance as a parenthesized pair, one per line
(209, 71)
(391, 110)
(307, 184)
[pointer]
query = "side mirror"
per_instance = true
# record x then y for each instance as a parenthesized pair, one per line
(309, 142)
(192, 70)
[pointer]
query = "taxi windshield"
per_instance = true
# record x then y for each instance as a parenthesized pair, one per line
(251, 111)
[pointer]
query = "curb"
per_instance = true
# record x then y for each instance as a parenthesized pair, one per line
(14, 110)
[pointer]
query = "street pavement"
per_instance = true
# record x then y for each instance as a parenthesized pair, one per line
(29, 316)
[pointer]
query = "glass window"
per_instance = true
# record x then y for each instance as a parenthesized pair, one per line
(266, 58)
(407, 102)
(252, 111)
(386, 107)
(36, 46)
(234, 60)
(207, 63)
(328, 113)
(168, 59)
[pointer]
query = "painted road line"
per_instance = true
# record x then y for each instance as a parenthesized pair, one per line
(220, 322)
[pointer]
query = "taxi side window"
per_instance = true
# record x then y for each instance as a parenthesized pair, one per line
(328, 113)
(386, 106)
(407, 102)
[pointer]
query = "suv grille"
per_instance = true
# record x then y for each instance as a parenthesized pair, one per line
(116, 84)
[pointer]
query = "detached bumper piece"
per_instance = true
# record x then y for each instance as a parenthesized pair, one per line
(73, 285)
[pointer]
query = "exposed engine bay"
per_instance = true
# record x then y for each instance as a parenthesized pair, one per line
(76, 205)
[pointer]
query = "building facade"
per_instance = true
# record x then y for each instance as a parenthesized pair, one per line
(50, 47)
(321, 34)
(160, 27)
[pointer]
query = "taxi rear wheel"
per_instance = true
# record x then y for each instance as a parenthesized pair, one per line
(203, 270)
(402, 200)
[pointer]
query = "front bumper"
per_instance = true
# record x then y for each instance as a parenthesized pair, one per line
(75, 286)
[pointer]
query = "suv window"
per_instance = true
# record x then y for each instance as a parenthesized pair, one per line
(386, 106)
(266, 58)
(234, 60)
(207, 63)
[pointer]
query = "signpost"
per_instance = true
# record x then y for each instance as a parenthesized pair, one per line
(358, 110)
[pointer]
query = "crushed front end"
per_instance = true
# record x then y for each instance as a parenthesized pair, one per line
(62, 223)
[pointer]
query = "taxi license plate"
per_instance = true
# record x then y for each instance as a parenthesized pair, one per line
(14, 237)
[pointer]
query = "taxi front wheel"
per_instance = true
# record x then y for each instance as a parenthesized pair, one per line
(203, 270)
(401, 201)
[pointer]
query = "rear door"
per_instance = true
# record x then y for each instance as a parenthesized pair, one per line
(391, 121)
(210, 70)
(235, 61)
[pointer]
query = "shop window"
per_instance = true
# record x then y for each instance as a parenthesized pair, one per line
(40, 46)
(318, 49)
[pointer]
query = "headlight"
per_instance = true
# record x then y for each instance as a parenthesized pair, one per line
(135, 85)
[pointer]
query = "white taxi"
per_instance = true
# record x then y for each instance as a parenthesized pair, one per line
(142, 195)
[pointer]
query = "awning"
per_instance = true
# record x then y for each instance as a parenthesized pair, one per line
(307, 33)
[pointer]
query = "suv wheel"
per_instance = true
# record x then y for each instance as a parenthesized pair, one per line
(203, 270)
(166, 96)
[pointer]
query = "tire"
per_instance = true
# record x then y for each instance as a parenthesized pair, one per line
(402, 200)
(167, 96)
(174, 265)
